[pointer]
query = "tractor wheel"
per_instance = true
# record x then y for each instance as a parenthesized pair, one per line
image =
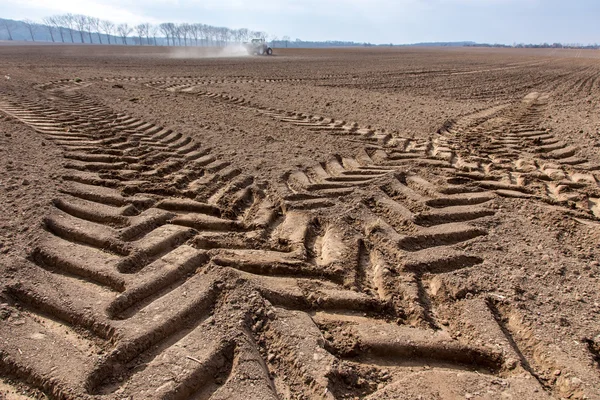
(269, 51)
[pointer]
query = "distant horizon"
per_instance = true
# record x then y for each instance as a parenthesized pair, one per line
(376, 21)
(583, 46)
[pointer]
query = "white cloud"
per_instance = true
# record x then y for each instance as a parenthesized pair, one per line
(117, 11)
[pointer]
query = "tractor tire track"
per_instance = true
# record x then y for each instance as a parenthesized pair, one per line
(517, 157)
(493, 139)
(124, 252)
(172, 263)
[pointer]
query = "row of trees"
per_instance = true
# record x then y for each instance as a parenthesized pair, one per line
(77, 28)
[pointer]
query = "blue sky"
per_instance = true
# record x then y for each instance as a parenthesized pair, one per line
(376, 21)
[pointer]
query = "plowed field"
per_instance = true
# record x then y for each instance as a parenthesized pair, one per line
(320, 224)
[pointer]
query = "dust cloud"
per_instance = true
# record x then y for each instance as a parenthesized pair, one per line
(235, 50)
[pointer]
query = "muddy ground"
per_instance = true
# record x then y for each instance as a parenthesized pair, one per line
(338, 224)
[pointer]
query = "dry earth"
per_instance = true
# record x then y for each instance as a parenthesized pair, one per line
(321, 224)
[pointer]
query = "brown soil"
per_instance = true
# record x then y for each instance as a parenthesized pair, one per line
(338, 224)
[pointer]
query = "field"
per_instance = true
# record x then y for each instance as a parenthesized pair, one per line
(320, 224)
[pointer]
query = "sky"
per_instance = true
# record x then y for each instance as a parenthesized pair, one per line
(374, 21)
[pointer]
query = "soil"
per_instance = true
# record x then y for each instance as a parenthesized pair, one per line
(337, 224)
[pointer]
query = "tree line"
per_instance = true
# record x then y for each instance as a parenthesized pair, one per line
(78, 28)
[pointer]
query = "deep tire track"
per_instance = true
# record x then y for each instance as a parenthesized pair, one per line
(152, 243)
(517, 157)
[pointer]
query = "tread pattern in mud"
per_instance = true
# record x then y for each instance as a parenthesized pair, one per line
(502, 148)
(162, 255)
(169, 273)
(117, 238)
(314, 123)
(515, 156)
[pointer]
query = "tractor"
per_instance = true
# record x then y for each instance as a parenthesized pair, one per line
(259, 47)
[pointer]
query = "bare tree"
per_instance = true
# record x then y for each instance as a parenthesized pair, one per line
(32, 27)
(68, 21)
(88, 27)
(55, 21)
(108, 28)
(143, 30)
(286, 39)
(49, 24)
(185, 32)
(209, 34)
(195, 32)
(166, 29)
(225, 35)
(154, 29)
(124, 31)
(214, 35)
(8, 26)
(216, 32)
(205, 32)
(140, 29)
(245, 34)
(81, 23)
(147, 27)
(176, 33)
(94, 24)
(65, 22)
(241, 35)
